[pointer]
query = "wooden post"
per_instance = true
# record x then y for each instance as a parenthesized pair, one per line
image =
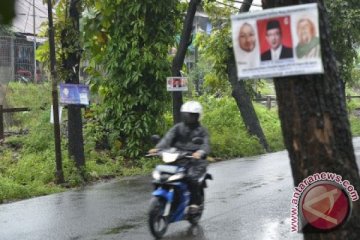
(1, 123)
(7, 110)
(268, 102)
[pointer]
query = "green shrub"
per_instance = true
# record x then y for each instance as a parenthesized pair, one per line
(229, 137)
(99, 164)
(355, 125)
(352, 105)
(37, 97)
(270, 124)
(33, 167)
(34, 96)
(12, 190)
(41, 134)
(265, 87)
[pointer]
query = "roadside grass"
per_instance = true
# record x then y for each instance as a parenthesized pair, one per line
(27, 162)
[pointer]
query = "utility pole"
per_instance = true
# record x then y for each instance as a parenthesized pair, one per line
(59, 172)
(34, 41)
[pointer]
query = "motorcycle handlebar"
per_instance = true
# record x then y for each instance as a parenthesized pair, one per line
(158, 153)
(151, 155)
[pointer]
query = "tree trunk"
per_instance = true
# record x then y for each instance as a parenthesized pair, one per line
(315, 126)
(180, 56)
(71, 64)
(242, 98)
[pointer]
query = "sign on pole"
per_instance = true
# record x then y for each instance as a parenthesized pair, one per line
(74, 94)
(52, 114)
(176, 84)
(277, 42)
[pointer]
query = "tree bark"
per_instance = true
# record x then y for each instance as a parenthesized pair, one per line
(242, 98)
(178, 60)
(315, 125)
(71, 64)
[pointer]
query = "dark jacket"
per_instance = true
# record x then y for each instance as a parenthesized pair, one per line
(285, 53)
(180, 136)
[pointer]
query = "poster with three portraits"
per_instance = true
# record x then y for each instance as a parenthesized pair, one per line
(277, 42)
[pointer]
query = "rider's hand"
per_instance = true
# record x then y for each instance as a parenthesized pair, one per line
(153, 150)
(198, 154)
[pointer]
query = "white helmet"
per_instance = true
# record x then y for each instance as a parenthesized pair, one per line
(192, 107)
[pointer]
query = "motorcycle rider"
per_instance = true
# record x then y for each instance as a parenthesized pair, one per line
(180, 136)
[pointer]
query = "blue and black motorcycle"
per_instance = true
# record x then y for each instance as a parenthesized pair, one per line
(170, 202)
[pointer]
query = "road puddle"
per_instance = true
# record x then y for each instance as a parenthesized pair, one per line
(119, 229)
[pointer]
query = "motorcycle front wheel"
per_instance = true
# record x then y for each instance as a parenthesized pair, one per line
(157, 222)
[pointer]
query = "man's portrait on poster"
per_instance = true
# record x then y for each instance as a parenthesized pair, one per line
(274, 38)
(177, 83)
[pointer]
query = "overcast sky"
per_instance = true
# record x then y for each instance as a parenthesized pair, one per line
(23, 21)
(257, 2)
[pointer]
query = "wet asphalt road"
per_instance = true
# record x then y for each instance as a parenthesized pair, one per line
(248, 199)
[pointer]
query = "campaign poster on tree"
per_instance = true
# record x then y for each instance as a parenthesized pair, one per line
(176, 84)
(277, 42)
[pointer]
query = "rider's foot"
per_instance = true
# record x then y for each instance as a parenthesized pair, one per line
(193, 209)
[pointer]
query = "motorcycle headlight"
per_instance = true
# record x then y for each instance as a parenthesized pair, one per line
(169, 157)
(156, 175)
(176, 177)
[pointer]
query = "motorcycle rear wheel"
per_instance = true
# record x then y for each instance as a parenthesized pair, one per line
(157, 222)
(195, 218)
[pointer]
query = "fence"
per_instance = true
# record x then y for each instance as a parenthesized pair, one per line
(16, 59)
(268, 99)
(7, 110)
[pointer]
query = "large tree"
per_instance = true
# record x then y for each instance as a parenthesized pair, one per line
(315, 126)
(128, 42)
(70, 57)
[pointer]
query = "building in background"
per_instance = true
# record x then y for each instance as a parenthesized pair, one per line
(19, 41)
(201, 24)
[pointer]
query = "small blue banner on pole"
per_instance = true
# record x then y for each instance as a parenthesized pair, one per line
(77, 94)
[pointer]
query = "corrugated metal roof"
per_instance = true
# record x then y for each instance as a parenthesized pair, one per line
(23, 21)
